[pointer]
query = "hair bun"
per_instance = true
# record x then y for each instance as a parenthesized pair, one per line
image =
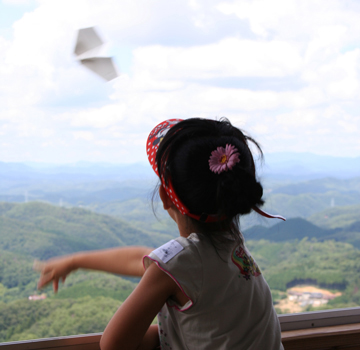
(237, 192)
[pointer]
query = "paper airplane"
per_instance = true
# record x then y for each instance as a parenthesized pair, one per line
(87, 46)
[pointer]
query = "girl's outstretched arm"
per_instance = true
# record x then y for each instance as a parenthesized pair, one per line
(122, 261)
(130, 329)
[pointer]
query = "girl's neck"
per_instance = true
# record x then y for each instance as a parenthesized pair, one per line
(184, 226)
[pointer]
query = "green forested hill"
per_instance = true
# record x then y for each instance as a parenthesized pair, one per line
(84, 304)
(286, 231)
(307, 204)
(301, 199)
(24, 319)
(322, 185)
(139, 213)
(42, 230)
(17, 278)
(130, 200)
(94, 284)
(337, 217)
(300, 228)
(88, 300)
(329, 264)
(285, 264)
(306, 198)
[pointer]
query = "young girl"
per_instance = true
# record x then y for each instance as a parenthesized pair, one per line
(205, 288)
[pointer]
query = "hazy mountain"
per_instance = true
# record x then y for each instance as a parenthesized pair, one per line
(320, 186)
(16, 178)
(337, 216)
(42, 230)
(286, 231)
(285, 167)
(298, 229)
(303, 166)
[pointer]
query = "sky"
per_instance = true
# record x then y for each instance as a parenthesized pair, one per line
(285, 71)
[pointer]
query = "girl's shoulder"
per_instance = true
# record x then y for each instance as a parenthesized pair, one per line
(181, 259)
(181, 250)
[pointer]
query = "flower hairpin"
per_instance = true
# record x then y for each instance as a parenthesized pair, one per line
(224, 159)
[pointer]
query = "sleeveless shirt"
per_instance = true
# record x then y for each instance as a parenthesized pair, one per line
(230, 305)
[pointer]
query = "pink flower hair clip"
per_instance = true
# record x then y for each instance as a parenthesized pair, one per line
(224, 159)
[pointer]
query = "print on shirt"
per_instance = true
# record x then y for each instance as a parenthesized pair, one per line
(168, 250)
(164, 345)
(245, 263)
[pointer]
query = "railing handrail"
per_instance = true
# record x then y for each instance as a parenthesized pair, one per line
(288, 322)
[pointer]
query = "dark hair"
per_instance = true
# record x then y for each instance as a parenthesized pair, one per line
(184, 155)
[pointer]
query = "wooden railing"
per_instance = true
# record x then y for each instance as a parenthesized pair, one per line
(77, 342)
(324, 330)
(323, 338)
(345, 337)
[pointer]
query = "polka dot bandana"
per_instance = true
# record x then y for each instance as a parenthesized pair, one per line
(154, 139)
(152, 145)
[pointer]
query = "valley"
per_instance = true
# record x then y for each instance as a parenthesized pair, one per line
(311, 261)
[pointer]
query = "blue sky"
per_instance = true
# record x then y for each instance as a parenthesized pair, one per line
(286, 71)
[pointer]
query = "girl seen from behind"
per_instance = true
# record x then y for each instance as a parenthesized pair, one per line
(204, 286)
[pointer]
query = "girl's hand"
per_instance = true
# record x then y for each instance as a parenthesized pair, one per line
(122, 261)
(54, 270)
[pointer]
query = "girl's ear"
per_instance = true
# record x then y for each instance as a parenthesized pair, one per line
(167, 203)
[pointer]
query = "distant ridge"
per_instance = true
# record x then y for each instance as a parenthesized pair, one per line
(298, 229)
(301, 166)
(43, 230)
(310, 166)
(337, 216)
(51, 176)
(291, 229)
(323, 185)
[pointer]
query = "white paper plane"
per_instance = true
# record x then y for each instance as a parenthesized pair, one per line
(87, 47)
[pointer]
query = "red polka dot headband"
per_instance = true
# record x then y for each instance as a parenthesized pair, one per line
(152, 145)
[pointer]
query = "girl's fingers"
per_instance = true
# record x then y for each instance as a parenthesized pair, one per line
(55, 285)
(38, 265)
(45, 279)
(43, 268)
(50, 271)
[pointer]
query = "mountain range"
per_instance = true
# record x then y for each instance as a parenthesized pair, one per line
(288, 253)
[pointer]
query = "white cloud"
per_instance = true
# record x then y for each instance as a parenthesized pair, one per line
(298, 118)
(276, 68)
(231, 57)
(102, 117)
(326, 42)
(263, 15)
(83, 135)
(338, 77)
(350, 126)
(294, 20)
(18, 2)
